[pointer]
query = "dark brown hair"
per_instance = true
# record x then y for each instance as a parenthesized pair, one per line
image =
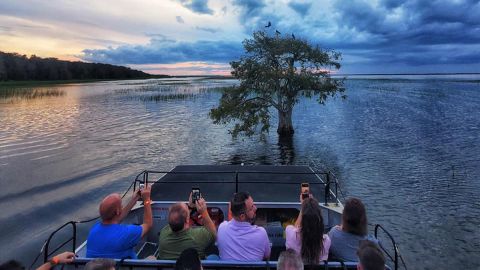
(311, 231)
(188, 260)
(354, 217)
(237, 204)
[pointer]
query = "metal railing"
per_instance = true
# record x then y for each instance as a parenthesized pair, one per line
(330, 179)
(393, 257)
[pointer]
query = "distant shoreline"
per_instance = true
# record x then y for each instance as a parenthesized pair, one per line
(217, 77)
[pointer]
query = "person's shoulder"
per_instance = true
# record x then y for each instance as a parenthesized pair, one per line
(291, 228)
(129, 226)
(326, 239)
(198, 229)
(166, 229)
(334, 231)
(224, 224)
(259, 229)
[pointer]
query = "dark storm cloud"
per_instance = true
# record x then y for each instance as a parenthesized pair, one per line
(251, 13)
(403, 33)
(166, 52)
(300, 8)
(421, 22)
(179, 19)
(197, 6)
(208, 29)
(390, 4)
(412, 36)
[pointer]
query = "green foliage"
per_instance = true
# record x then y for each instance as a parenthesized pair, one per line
(16, 67)
(274, 73)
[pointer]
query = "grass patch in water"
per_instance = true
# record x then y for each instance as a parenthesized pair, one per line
(168, 97)
(29, 93)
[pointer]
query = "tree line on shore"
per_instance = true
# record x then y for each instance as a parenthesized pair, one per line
(17, 67)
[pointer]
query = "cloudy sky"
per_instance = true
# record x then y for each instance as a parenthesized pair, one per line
(203, 36)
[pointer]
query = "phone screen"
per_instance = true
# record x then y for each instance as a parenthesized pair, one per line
(305, 188)
(195, 194)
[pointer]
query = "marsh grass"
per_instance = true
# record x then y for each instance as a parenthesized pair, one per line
(149, 93)
(169, 97)
(8, 93)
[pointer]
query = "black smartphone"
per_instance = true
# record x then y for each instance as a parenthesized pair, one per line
(305, 189)
(195, 194)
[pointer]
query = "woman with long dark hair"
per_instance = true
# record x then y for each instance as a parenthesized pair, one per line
(347, 236)
(307, 237)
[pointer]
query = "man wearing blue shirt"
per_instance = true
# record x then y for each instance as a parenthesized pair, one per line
(109, 238)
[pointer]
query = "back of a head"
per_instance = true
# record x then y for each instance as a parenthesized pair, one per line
(110, 207)
(371, 257)
(311, 231)
(100, 264)
(237, 204)
(177, 217)
(354, 217)
(188, 260)
(289, 260)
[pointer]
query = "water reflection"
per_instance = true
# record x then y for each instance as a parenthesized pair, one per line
(287, 150)
(401, 146)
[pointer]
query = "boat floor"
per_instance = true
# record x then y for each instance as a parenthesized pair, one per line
(219, 182)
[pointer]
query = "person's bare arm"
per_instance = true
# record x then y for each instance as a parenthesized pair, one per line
(298, 222)
(128, 207)
(207, 221)
(65, 257)
(147, 210)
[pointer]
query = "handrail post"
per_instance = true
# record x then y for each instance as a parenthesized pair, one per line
(236, 181)
(336, 191)
(327, 189)
(74, 236)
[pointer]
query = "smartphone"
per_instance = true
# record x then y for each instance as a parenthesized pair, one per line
(305, 189)
(195, 194)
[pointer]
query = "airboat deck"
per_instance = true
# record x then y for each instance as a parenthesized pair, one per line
(275, 190)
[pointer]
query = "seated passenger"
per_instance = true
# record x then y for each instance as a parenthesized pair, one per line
(110, 239)
(100, 264)
(289, 260)
(307, 237)
(238, 239)
(177, 236)
(347, 236)
(188, 260)
(371, 257)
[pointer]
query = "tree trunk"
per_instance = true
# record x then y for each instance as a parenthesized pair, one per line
(285, 127)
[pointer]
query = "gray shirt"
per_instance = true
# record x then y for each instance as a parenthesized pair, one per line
(344, 245)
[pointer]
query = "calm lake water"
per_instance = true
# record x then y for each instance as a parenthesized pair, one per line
(409, 147)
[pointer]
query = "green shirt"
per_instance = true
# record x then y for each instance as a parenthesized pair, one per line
(171, 244)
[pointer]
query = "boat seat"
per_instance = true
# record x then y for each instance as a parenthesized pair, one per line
(210, 264)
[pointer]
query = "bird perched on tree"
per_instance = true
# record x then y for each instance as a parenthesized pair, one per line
(293, 36)
(277, 32)
(268, 24)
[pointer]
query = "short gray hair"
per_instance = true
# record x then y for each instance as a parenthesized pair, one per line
(289, 260)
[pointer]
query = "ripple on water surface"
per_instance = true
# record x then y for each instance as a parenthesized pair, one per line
(408, 148)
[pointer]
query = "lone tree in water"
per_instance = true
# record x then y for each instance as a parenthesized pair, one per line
(274, 73)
